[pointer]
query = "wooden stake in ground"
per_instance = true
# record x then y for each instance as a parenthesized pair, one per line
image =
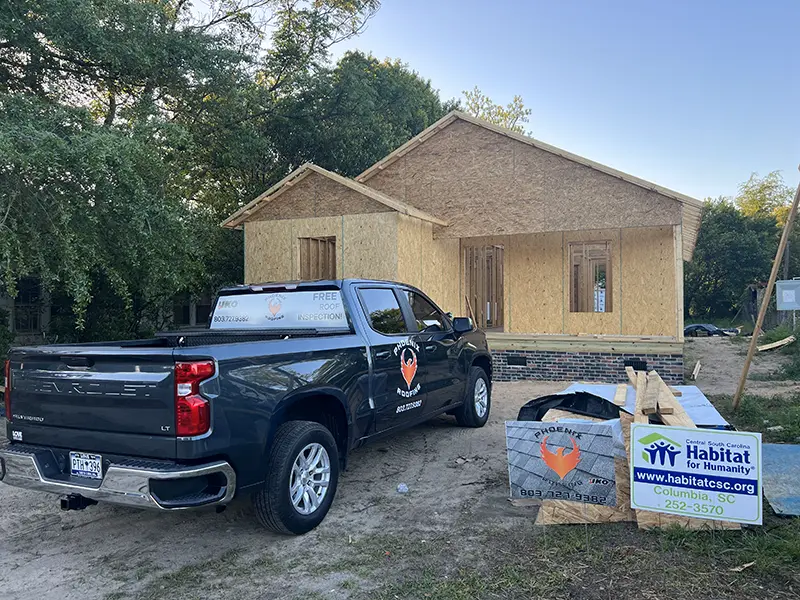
(787, 228)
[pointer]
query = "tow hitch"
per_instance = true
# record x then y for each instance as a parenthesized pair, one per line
(75, 502)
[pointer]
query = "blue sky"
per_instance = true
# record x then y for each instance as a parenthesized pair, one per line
(692, 95)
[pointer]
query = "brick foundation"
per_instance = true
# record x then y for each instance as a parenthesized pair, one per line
(602, 367)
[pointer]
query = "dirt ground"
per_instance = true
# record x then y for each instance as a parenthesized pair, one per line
(375, 542)
(721, 362)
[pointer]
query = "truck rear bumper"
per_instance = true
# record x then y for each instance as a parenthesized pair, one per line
(141, 483)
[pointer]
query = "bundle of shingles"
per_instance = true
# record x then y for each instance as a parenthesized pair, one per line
(656, 400)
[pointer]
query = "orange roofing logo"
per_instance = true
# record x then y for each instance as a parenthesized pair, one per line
(560, 463)
(408, 366)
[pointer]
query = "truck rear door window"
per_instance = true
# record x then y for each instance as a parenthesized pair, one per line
(319, 309)
(383, 310)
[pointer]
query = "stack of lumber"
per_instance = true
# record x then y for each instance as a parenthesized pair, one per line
(656, 400)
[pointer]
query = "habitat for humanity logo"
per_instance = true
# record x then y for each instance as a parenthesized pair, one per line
(659, 447)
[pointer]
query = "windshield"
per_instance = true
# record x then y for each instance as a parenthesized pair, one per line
(321, 309)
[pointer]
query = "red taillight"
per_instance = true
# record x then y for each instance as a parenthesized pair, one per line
(192, 412)
(7, 390)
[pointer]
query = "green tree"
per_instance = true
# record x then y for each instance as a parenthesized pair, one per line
(733, 250)
(115, 117)
(512, 116)
(765, 196)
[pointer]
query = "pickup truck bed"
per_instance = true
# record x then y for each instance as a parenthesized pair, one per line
(194, 418)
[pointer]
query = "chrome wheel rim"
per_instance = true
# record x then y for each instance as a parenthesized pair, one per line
(481, 398)
(309, 479)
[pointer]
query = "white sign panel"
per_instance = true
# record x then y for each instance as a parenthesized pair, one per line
(703, 473)
(285, 310)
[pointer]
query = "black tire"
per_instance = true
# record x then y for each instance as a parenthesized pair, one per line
(273, 505)
(467, 415)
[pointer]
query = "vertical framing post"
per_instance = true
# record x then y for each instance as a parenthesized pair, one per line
(787, 228)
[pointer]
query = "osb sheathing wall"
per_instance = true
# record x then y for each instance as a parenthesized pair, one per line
(430, 264)
(484, 183)
(537, 285)
(366, 246)
(317, 196)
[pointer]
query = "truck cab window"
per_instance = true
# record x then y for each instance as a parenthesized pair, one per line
(428, 317)
(383, 310)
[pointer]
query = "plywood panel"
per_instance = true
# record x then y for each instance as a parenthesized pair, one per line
(431, 265)
(649, 295)
(590, 322)
(533, 283)
(370, 246)
(317, 196)
(267, 251)
(366, 246)
(482, 182)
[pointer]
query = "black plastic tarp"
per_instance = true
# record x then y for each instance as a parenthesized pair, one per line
(580, 403)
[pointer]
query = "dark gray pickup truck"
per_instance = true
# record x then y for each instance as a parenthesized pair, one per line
(267, 400)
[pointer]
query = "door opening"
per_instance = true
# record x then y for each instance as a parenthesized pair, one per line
(483, 272)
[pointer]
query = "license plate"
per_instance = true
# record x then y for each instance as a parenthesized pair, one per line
(86, 465)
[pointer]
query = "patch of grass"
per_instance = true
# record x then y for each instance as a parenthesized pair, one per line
(759, 413)
(775, 547)
(203, 577)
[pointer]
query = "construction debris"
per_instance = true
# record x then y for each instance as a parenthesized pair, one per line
(696, 371)
(778, 344)
(654, 400)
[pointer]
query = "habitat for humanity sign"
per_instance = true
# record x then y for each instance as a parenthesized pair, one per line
(562, 461)
(703, 473)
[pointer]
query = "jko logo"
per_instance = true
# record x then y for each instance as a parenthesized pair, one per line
(659, 448)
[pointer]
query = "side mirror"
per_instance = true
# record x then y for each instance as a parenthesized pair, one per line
(462, 325)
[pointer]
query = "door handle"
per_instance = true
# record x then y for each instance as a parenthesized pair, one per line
(431, 348)
(382, 354)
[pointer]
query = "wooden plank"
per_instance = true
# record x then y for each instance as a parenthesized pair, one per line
(696, 370)
(649, 405)
(675, 392)
(641, 390)
(621, 394)
(778, 344)
(631, 375)
(667, 402)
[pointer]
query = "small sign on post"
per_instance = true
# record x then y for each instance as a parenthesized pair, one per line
(702, 473)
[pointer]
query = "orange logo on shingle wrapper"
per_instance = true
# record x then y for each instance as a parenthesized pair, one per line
(561, 463)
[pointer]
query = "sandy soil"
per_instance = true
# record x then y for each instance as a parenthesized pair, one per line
(112, 552)
(457, 480)
(721, 361)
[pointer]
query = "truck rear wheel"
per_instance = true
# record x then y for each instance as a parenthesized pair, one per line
(302, 474)
(477, 401)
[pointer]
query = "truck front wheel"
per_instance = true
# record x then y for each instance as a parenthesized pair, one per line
(477, 400)
(302, 474)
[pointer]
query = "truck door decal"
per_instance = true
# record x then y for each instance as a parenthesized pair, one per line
(407, 352)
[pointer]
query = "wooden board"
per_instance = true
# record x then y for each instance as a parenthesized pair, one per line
(649, 404)
(631, 375)
(641, 390)
(621, 394)
(778, 344)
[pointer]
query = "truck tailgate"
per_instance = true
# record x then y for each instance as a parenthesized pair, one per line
(94, 389)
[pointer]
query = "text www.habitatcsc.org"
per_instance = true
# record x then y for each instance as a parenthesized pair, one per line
(697, 482)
